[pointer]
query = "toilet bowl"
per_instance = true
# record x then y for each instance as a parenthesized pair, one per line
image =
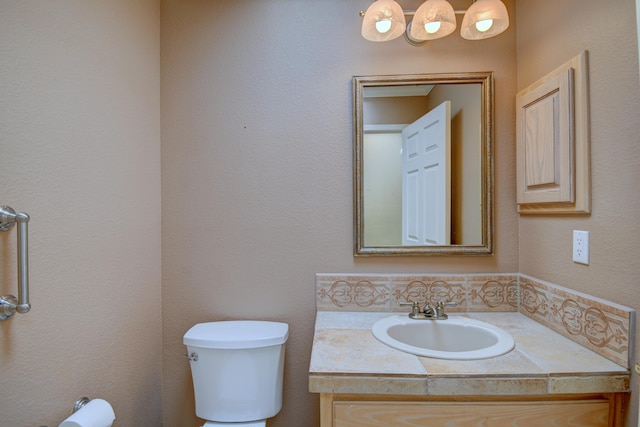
(261, 423)
(237, 370)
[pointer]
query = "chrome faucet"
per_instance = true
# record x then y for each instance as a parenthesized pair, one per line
(428, 312)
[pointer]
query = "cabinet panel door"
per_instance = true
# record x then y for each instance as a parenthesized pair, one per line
(581, 413)
(552, 142)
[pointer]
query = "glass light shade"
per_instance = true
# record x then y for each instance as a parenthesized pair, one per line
(484, 19)
(380, 16)
(424, 25)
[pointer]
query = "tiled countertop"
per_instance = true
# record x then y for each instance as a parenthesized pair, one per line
(347, 358)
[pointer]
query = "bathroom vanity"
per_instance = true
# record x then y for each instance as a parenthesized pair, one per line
(578, 411)
(546, 380)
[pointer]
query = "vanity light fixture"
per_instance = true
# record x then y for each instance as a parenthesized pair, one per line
(385, 20)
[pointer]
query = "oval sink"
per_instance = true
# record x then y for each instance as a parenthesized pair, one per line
(456, 338)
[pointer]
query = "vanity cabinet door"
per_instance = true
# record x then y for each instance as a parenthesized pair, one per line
(576, 413)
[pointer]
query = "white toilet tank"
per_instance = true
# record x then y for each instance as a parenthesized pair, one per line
(238, 373)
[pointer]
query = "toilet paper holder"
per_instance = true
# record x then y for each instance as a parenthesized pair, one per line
(80, 403)
(90, 412)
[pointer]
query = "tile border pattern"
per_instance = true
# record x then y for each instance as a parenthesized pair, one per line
(353, 292)
(602, 326)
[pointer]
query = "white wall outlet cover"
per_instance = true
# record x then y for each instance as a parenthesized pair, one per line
(581, 247)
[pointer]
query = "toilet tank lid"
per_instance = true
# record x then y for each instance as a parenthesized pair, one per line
(237, 334)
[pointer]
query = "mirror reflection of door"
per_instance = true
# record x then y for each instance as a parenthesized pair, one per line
(386, 113)
(426, 179)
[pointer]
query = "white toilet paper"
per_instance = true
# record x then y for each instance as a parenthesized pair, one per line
(96, 413)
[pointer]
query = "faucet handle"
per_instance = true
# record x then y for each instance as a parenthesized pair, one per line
(412, 303)
(440, 305)
(415, 307)
(446, 304)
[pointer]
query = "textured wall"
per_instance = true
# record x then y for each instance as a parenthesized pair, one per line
(79, 139)
(257, 164)
(549, 34)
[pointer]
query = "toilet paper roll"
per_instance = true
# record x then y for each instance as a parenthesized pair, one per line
(96, 413)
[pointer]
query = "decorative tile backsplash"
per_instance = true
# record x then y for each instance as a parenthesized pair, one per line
(342, 292)
(352, 293)
(599, 325)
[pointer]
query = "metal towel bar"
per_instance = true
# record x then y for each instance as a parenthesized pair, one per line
(9, 304)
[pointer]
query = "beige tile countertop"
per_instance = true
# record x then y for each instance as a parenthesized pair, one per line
(347, 358)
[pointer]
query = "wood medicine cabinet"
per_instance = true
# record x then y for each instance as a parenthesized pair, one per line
(552, 134)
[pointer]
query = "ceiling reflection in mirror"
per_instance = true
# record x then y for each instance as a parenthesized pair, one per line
(423, 167)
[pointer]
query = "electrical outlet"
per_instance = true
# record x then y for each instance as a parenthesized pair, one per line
(581, 247)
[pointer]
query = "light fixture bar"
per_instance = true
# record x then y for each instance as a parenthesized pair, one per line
(385, 20)
(412, 12)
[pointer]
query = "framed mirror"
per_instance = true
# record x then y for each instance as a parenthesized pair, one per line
(423, 164)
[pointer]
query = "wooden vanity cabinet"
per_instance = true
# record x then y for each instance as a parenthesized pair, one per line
(593, 410)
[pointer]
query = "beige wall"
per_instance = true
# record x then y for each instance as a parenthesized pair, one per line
(79, 152)
(550, 33)
(257, 164)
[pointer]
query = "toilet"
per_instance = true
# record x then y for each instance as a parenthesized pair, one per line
(237, 368)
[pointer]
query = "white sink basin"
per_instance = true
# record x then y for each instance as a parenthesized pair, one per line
(456, 338)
